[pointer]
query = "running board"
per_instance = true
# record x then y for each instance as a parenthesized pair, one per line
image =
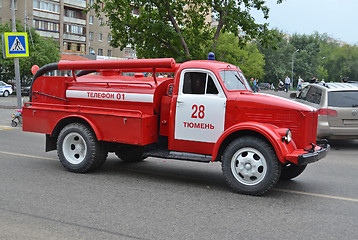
(179, 155)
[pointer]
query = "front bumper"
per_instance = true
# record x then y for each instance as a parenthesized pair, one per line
(311, 157)
(304, 156)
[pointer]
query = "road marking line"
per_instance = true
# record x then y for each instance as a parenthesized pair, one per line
(25, 155)
(317, 195)
(274, 189)
(6, 128)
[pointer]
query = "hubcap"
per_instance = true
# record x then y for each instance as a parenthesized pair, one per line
(248, 166)
(74, 148)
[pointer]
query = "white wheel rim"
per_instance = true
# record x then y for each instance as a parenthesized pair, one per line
(248, 166)
(74, 148)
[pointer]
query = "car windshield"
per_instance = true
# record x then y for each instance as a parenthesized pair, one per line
(234, 80)
(343, 99)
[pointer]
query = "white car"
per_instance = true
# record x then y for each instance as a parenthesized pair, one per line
(5, 89)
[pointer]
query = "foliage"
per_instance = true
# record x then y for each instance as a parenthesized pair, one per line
(179, 28)
(248, 58)
(277, 61)
(311, 55)
(341, 62)
(41, 52)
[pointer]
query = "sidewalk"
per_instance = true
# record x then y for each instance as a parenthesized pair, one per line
(11, 102)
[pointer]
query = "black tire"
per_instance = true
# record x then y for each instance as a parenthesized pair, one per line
(6, 94)
(291, 171)
(250, 166)
(13, 123)
(130, 154)
(78, 149)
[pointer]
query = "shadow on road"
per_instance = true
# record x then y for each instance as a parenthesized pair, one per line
(344, 144)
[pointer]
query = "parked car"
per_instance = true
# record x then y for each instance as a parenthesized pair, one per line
(338, 108)
(264, 85)
(25, 90)
(5, 89)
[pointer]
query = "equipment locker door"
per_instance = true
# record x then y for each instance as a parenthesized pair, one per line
(200, 108)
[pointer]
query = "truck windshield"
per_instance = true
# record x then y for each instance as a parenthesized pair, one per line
(233, 80)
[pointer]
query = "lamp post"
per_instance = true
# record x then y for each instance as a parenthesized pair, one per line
(293, 60)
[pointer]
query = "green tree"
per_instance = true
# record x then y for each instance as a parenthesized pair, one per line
(248, 58)
(341, 62)
(178, 28)
(41, 52)
(277, 60)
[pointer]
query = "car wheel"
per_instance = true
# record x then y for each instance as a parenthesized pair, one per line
(250, 166)
(130, 154)
(13, 123)
(6, 94)
(78, 149)
(291, 171)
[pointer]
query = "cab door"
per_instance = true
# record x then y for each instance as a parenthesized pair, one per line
(200, 108)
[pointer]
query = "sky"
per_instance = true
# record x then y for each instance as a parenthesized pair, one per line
(337, 18)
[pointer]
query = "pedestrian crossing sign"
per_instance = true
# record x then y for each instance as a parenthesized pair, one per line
(15, 44)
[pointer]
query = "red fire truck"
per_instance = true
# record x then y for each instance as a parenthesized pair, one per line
(202, 111)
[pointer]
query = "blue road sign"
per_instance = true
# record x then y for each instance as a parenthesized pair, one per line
(15, 44)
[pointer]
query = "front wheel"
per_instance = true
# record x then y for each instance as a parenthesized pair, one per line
(78, 149)
(250, 166)
(290, 171)
(6, 94)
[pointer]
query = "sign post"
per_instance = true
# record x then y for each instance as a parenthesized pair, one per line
(15, 46)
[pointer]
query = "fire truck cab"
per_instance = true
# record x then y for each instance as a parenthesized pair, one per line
(201, 111)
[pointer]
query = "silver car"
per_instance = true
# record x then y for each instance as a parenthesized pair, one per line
(337, 105)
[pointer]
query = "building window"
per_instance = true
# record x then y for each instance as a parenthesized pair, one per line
(100, 21)
(46, 25)
(100, 37)
(91, 36)
(74, 47)
(109, 37)
(109, 53)
(75, 13)
(74, 29)
(91, 18)
(91, 2)
(91, 51)
(100, 52)
(46, 6)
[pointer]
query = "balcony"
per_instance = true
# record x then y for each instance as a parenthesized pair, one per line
(75, 3)
(47, 34)
(52, 16)
(74, 20)
(72, 37)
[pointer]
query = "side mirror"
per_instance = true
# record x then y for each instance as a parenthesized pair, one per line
(293, 95)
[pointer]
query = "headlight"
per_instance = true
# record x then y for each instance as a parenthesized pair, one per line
(288, 137)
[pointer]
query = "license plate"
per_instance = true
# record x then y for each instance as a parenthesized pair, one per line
(350, 121)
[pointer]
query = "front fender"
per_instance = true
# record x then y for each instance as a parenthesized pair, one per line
(272, 133)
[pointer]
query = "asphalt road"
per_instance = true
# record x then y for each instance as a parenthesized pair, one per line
(167, 199)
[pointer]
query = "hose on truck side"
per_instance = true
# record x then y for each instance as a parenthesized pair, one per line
(41, 72)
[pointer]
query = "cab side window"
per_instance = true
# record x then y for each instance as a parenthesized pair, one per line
(198, 83)
(314, 95)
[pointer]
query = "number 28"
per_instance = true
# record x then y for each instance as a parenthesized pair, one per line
(198, 111)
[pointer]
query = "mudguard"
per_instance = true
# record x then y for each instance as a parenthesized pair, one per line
(272, 133)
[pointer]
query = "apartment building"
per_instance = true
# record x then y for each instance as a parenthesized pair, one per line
(77, 32)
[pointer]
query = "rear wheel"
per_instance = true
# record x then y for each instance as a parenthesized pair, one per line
(78, 149)
(130, 154)
(250, 166)
(291, 171)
